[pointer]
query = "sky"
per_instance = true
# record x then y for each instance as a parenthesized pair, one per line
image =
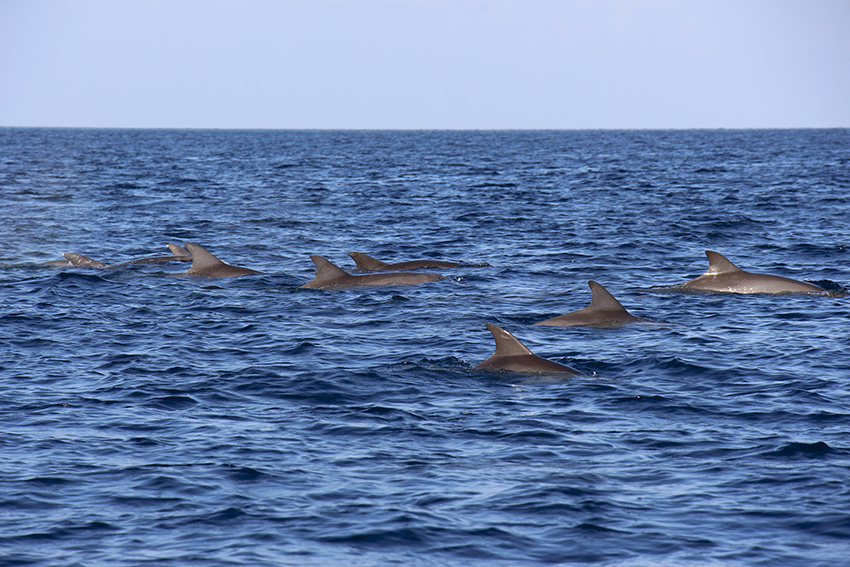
(425, 64)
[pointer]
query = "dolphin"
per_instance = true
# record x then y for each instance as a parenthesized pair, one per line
(513, 355)
(180, 254)
(365, 262)
(63, 262)
(330, 276)
(604, 311)
(74, 259)
(206, 265)
(80, 260)
(724, 276)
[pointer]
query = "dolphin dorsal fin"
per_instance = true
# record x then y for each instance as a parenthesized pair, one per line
(178, 250)
(201, 258)
(366, 262)
(718, 264)
(506, 343)
(326, 271)
(602, 299)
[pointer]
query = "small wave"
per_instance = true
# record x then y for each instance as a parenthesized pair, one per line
(173, 402)
(70, 532)
(72, 276)
(591, 527)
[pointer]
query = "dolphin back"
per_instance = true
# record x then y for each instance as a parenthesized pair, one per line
(327, 274)
(513, 355)
(204, 264)
(604, 311)
(80, 260)
(725, 277)
(366, 262)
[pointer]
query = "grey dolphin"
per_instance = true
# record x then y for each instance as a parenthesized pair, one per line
(513, 355)
(330, 276)
(80, 260)
(74, 259)
(604, 311)
(180, 254)
(366, 262)
(206, 265)
(63, 262)
(724, 276)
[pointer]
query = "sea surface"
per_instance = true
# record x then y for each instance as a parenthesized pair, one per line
(153, 419)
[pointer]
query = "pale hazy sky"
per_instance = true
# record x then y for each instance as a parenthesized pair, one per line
(425, 63)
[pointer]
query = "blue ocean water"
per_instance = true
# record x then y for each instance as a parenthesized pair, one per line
(148, 418)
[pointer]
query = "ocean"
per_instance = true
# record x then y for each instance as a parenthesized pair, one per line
(154, 419)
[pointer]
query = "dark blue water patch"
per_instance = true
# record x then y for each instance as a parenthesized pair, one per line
(125, 185)
(815, 450)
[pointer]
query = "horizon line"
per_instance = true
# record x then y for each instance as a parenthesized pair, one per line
(368, 129)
